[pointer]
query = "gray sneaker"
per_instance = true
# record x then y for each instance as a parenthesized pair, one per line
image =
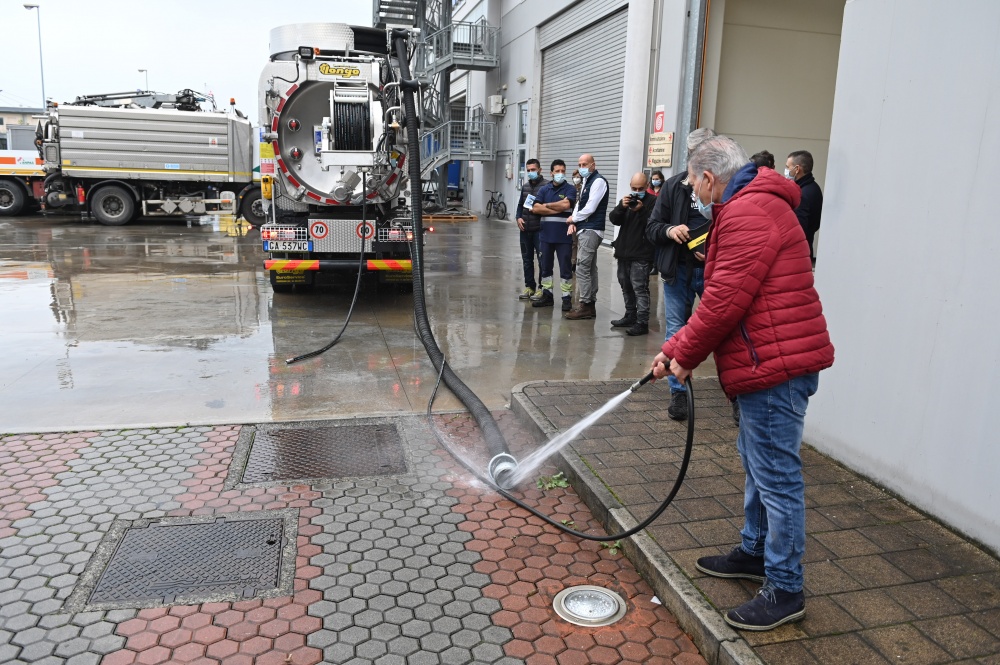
(735, 564)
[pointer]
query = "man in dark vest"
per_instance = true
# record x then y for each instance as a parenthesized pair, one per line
(530, 225)
(799, 167)
(587, 222)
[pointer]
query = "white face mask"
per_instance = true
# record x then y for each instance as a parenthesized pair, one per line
(577, 180)
(788, 174)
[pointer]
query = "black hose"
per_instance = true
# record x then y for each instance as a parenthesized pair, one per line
(689, 446)
(491, 431)
(357, 284)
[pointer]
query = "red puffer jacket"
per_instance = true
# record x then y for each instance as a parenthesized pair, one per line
(759, 312)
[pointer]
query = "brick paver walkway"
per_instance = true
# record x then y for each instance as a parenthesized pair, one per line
(884, 583)
(423, 567)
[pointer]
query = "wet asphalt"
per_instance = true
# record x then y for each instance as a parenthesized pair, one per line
(173, 322)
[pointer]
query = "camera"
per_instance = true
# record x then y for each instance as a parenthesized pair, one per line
(632, 201)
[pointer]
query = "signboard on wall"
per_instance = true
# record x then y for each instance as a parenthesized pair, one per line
(661, 150)
(659, 120)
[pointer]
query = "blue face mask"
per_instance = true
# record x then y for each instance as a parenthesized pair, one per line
(657, 182)
(704, 208)
(532, 175)
(584, 172)
(640, 195)
(559, 178)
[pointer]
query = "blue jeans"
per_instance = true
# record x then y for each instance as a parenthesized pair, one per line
(678, 299)
(530, 248)
(774, 502)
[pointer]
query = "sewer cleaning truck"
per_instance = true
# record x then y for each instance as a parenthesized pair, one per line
(119, 162)
(332, 157)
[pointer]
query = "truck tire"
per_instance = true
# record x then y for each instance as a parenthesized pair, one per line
(112, 205)
(252, 208)
(11, 198)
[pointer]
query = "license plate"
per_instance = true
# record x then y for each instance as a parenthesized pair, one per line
(288, 245)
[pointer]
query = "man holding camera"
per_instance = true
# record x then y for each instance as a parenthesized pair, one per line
(634, 254)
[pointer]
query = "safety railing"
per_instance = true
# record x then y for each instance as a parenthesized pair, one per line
(457, 140)
(460, 45)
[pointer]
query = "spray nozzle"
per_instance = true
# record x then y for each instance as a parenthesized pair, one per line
(641, 382)
(501, 469)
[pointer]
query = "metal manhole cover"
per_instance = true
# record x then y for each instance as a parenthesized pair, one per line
(167, 563)
(324, 452)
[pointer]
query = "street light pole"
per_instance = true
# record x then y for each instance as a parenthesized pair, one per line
(41, 65)
(146, 72)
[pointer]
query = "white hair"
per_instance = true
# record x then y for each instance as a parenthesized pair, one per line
(721, 156)
(695, 138)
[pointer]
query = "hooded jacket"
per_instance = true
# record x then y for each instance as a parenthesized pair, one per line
(760, 313)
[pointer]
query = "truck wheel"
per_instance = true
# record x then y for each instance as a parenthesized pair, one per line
(112, 206)
(252, 208)
(11, 198)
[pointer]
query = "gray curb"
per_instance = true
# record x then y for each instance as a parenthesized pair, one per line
(717, 641)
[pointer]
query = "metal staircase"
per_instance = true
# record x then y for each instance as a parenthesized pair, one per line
(446, 46)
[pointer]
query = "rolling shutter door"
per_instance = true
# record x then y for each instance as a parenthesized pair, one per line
(581, 98)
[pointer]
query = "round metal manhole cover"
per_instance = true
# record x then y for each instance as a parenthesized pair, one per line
(589, 605)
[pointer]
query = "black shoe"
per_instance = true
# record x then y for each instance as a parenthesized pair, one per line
(678, 409)
(735, 564)
(624, 322)
(770, 608)
(545, 301)
(638, 329)
(736, 413)
(567, 303)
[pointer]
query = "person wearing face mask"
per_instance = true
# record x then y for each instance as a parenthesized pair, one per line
(530, 225)
(762, 318)
(655, 183)
(681, 270)
(552, 205)
(634, 254)
(587, 223)
(799, 167)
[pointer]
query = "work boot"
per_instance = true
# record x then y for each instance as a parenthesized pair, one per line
(770, 608)
(545, 301)
(639, 328)
(624, 322)
(567, 303)
(678, 409)
(526, 293)
(735, 564)
(539, 293)
(586, 310)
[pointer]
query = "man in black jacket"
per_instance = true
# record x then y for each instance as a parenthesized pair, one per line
(530, 225)
(674, 220)
(634, 254)
(799, 167)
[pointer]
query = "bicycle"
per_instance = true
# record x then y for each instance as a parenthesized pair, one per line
(495, 204)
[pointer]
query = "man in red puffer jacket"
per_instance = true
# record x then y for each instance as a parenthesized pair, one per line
(762, 318)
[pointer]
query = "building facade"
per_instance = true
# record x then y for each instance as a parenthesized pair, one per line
(873, 89)
(14, 115)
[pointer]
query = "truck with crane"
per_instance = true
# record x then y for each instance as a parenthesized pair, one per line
(119, 156)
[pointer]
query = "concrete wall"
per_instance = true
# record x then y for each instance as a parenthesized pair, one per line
(909, 274)
(770, 74)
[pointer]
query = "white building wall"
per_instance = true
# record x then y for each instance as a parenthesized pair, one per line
(909, 275)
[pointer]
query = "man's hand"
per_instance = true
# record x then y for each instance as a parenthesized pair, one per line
(699, 256)
(679, 372)
(624, 202)
(571, 229)
(659, 367)
(520, 223)
(679, 234)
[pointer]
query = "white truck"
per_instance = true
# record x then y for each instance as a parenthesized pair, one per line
(119, 163)
(21, 174)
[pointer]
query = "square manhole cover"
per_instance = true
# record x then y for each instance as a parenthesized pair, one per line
(312, 453)
(191, 560)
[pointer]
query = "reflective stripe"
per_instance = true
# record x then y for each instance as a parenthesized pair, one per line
(374, 264)
(548, 218)
(291, 265)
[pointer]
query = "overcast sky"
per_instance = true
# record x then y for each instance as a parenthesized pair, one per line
(98, 46)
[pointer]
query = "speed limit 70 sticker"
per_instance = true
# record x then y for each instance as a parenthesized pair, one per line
(319, 229)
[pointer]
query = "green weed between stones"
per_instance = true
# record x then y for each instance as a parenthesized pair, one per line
(551, 482)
